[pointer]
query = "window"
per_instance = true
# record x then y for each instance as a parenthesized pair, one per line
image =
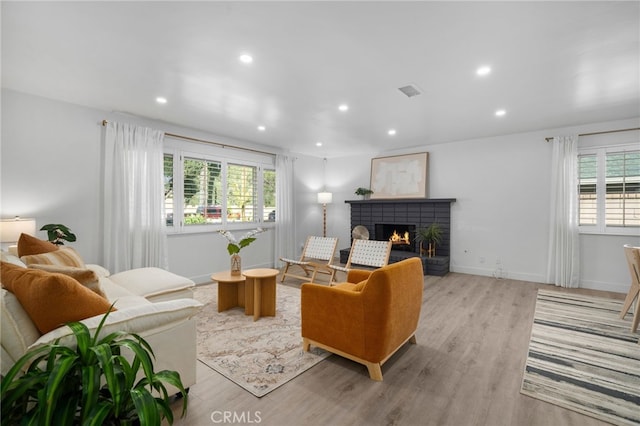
(241, 193)
(202, 199)
(168, 189)
(269, 194)
(609, 189)
(205, 190)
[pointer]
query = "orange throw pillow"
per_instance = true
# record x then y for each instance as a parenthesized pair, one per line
(51, 300)
(31, 245)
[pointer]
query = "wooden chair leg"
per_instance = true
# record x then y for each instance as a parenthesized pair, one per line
(375, 371)
(305, 344)
(636, 317)
(284, 273)
(634, 292)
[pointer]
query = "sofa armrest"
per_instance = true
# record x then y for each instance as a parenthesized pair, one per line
(333, 316)
(142, 319)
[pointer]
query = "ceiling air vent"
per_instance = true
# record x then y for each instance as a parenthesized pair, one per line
(410, 90)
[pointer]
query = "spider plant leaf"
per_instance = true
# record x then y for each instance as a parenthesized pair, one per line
(146, 407)
(173, 378)
(141, 354)
(55, 385)
(17, 368)
(83, 338)
(104, 355)
(90, 389)
(98, 415)
(65, 412)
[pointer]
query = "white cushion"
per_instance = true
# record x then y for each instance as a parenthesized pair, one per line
(18, 331)
(11, 258)
(151, 281)
(122, 297)
(99, 270)
(141, 319)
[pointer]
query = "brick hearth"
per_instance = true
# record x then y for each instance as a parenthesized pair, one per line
(418, 212)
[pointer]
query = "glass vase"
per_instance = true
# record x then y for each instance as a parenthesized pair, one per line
(236, 264)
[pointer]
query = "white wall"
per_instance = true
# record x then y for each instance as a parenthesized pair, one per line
(50, 169)
(501, 186)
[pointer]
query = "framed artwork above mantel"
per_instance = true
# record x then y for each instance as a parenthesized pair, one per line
(399, 176)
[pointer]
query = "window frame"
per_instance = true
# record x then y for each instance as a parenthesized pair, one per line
(209, 153)
(600, 227)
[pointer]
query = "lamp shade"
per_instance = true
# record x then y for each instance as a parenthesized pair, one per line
(10, 229)
(325, 197)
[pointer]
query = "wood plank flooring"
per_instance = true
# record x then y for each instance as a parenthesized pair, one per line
(465, 370)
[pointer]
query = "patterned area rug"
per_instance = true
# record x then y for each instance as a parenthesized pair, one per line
(259, 356)
(584, 358)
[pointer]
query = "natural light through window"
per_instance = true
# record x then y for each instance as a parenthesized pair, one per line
(609, 190)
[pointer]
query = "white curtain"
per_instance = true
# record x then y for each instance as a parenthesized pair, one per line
(285, 224)
(134, 232)
(563, 265)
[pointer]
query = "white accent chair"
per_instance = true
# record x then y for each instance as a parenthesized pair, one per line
(371, 253)
(316, 258)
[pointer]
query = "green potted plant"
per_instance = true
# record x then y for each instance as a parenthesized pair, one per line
(57, 233)
(364, 192)
(432, 235)
(91, 384)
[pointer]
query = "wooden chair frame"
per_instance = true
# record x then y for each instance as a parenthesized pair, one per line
(633, 262)
(317, 255)
(371, 253)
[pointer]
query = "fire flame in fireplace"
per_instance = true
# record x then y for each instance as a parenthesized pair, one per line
(395, 238)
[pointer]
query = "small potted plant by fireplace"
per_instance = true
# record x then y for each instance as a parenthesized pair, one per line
(364, 192)
(432, 235)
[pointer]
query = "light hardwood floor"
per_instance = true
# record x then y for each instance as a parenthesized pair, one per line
(465, 370)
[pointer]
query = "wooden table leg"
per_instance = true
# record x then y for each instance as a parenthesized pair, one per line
(268, 289)
(227, 295)
(260, 292)
(257, 298)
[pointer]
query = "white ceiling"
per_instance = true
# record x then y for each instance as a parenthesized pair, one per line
(554, 64)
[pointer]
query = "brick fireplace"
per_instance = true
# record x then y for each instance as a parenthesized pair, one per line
(404, 216)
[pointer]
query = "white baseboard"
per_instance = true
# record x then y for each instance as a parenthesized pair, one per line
(505, 274)
(592, 285)
(604, 286)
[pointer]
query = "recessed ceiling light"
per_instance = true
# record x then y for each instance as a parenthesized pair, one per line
(246, 59)
(262, 128)
(391, 132)
(318, 143)
(343, 107)
(161, 100)
(500, 112)
(483, 70)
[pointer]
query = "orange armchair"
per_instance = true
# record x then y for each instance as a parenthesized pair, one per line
(368, 318)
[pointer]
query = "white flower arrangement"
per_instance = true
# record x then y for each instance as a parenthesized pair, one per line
(234, 245)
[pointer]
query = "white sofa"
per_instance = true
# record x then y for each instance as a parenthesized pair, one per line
(151, 302)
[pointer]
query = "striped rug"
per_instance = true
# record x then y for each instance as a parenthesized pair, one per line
(584, 358)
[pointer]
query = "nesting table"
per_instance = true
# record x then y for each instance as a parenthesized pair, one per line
(254, 290)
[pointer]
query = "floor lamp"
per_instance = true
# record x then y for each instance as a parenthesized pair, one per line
(324, 198)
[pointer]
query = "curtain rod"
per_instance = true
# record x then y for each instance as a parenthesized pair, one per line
(600, 133)
(189, 138)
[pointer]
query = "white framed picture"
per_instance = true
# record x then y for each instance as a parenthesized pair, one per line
(399, 176)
